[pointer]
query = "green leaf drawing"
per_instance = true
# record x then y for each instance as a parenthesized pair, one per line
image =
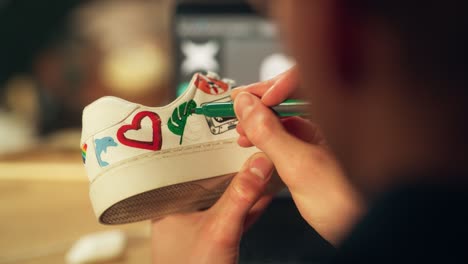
(177, 121)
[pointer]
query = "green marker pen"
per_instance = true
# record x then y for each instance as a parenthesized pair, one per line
(289, 107)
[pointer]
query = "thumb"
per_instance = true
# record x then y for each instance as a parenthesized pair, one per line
(243, 192)
(263, 128)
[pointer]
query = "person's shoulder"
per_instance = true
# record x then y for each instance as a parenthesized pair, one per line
(423, 222)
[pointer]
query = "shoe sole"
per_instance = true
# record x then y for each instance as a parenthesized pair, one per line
(139, 189)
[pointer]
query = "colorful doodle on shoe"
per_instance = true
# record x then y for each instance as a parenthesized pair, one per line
(178, 120)
(84, 148)
(156, 142)
(219, 125)
(101, 145)
(210, 86)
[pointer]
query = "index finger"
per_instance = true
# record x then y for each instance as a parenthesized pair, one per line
(258, 88)
(275, 90)
(286, 86)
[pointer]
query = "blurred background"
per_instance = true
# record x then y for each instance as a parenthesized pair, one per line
(58, 56)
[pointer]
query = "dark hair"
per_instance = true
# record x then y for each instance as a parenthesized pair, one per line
(433, 35)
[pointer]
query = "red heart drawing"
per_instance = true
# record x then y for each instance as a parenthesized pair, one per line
(136, 125)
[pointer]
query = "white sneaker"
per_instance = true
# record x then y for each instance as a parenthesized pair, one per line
(148, 162)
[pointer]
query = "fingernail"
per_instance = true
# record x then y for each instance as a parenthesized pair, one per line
(261, 167)
(237, 91)
(243, 104)
(268, 91)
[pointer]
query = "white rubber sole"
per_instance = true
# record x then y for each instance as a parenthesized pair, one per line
(153, 185)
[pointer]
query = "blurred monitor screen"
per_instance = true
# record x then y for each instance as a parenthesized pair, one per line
(232, 41)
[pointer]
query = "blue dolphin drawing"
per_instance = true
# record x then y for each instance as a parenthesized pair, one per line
(101, 146)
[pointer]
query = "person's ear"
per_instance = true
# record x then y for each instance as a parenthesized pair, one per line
(347, 42)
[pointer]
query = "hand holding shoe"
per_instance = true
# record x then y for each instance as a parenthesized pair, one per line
(322, 193)
(213, 236)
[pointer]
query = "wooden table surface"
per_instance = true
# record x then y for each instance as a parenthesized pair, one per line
(44, 208)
